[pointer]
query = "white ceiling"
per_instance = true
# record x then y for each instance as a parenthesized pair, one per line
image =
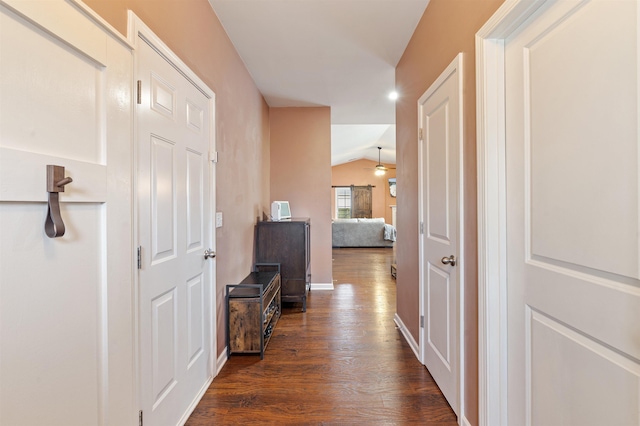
(336, 53)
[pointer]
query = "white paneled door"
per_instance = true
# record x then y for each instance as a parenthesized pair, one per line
(175, 227)
(572, 200)
(440, 248)
(65, 99)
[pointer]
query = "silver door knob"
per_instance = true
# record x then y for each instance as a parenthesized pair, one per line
(209, 254)
(451, 260)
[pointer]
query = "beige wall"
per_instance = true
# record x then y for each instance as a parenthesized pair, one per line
(192, 30)
(301, 174)
(361, 172)
(446, 28)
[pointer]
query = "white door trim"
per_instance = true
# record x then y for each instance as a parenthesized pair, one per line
(454, 66)
(137, 29)
(492, 278)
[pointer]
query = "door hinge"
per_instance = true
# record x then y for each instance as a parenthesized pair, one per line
(420, 133)
(422, 227)
(140, 259)
(140, 418)
(139, 95)
(421, 321)
(213, 156)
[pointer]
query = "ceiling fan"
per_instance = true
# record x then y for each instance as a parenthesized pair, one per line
(380, 169)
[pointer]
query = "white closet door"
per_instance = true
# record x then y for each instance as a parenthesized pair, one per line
(175, 226)
(440, 263)
(573, 234)
(64, 100)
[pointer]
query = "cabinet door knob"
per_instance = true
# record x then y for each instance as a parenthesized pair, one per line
(209, 254)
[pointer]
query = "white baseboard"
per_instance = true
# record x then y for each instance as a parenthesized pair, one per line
(321, 286)
(464, 421)
(408, 337)
(195, 402)
(222, 360)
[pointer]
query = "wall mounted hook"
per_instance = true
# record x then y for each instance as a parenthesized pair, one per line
(53, 225)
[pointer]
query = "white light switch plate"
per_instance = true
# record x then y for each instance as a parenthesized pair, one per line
(218, 219)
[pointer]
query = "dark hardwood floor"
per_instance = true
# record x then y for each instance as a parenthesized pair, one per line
(342, 362)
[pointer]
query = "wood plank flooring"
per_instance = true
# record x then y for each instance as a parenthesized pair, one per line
(343, 362)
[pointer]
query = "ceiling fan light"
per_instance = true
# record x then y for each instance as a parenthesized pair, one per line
(380, 169)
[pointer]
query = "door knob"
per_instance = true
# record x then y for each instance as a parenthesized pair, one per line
(209, 254)
(451, 260)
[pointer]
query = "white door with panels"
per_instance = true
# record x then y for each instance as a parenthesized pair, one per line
(440, 246)
(572, 215)
(66, 330)
(175, 210)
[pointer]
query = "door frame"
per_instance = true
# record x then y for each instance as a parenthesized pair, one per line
(454, 67)
(137, 29)
(492, 206)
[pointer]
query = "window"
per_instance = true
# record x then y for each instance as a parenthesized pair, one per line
(343, 203)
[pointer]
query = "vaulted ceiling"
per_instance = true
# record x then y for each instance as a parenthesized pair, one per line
(336, 53)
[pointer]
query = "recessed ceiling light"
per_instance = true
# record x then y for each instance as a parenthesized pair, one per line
(393, 95)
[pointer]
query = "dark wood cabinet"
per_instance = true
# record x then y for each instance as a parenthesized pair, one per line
(253, 309)
(287, 243)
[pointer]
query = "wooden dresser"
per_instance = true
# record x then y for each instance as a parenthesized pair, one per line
(287, 243)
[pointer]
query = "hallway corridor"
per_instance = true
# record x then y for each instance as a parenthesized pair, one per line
(343, 362)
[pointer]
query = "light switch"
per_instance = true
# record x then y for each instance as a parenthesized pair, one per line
(218, 219)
